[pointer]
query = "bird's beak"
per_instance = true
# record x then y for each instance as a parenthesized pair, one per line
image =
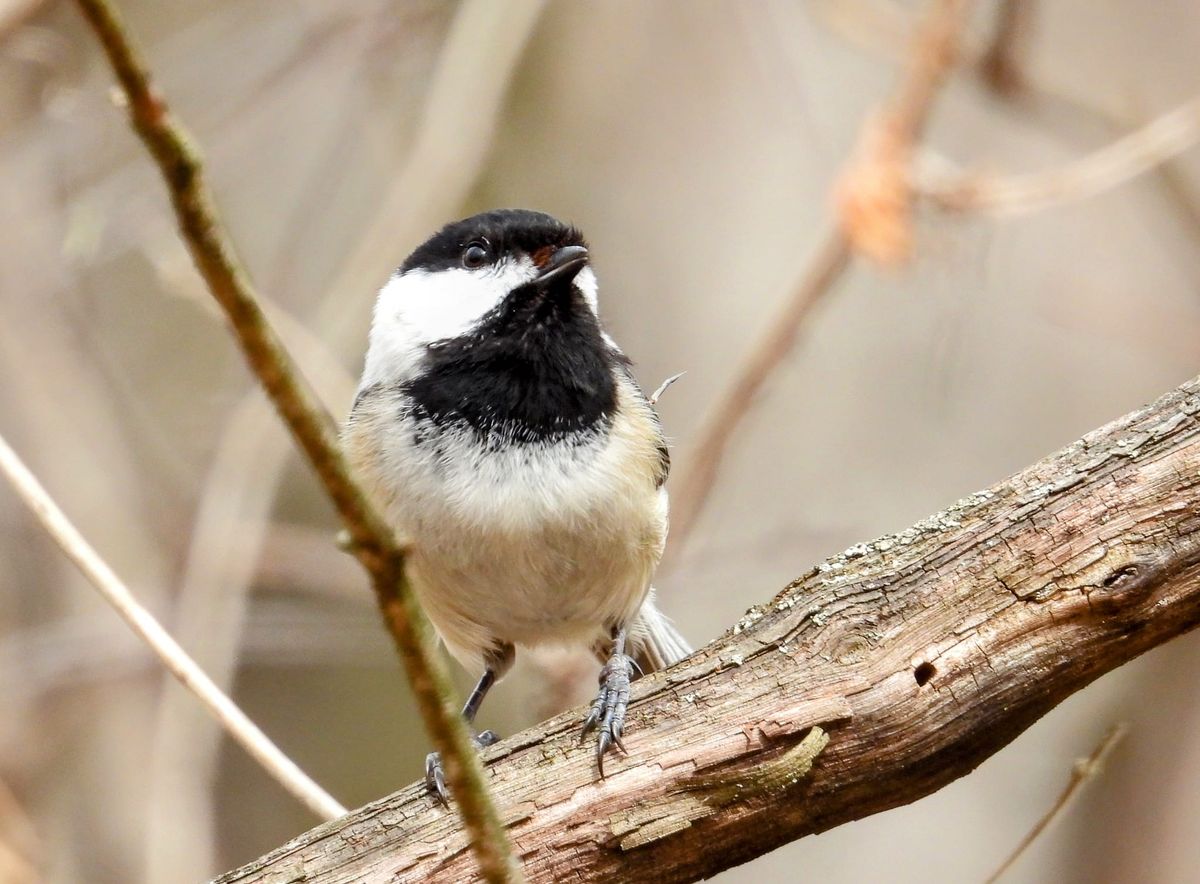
(562, 266)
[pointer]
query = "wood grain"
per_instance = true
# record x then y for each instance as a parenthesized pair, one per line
(918, 655)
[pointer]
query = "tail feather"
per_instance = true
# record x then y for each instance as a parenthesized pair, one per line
(654, 640)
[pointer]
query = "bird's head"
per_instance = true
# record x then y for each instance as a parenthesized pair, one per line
(498, 273)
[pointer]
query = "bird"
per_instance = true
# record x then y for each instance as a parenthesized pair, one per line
(502, 431)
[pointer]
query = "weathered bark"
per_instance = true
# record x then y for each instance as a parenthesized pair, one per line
(920, 655)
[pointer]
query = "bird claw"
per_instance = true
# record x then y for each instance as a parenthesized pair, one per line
(608, 709)
(435, 776)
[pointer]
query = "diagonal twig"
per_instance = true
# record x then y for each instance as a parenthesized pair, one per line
(690, 492)
(875, 195)
(1160, 140)
(1000, 65)
(232, 718)
(857, 230)
(373, 542)
(1083, 770)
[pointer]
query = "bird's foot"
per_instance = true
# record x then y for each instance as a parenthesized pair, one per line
(435, 776)
(607, 714)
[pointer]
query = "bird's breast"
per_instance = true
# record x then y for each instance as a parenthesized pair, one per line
(525, 542)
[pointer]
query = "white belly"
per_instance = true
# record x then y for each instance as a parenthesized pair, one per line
(528, 544)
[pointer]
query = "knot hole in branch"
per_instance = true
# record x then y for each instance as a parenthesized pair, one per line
(924, 673)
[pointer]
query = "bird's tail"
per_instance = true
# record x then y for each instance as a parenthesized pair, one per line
(655, 642)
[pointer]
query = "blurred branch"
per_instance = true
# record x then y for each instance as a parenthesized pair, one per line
(920, 655)
(14, 867)
(461, 108)
(20, 847)
(14, 13)
(1000, 66)
(875, 196)
(691, 490)
(236, 723)
(230, 523)
(903, 120)
(374, 544)
(1155, 143)
(1083, 770)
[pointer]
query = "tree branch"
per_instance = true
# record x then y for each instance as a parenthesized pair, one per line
(920, 654)
(873, 219)
(1083, 770)
(236, 723)
(691, 490)
(875, 194)
(373, 542)
(1000, 65)
(1151, 145)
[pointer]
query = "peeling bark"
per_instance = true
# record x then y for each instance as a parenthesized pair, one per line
(917, 656)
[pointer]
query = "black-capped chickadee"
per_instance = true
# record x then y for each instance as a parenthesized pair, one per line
(517, 458)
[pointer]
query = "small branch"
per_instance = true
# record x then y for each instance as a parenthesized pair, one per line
(904, 119)
(1083, 770)
(14, 13)
(875, 195)
(211, 602)
(15, 868)
(1155, 143)
(691, 490)
(919, 655)
(1000, 66)
(224, 710)
(373, 542)
(19, 837)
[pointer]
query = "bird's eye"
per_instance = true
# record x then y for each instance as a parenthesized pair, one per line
(474, 255)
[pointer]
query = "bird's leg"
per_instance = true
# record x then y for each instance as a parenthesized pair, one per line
(607, 714)
(497, 663)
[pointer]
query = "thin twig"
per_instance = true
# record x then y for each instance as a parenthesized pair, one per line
(191, 676)
(374, 544)
(904, 118)
(19, 834)
(462, 105)
(691, 490)
(212, 599)
(875, 194)
(1000, 66)
(1083, 770)
(1155, 143)
(15, 868)
(664, 386)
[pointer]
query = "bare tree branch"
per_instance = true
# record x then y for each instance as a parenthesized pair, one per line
(875, 195)
(1083, 770)
(373, 542)
(919, 654)
(863, 218)
(1000, 65)
(21, 850)
(236, 723)
(1160, 140)
(691, 490)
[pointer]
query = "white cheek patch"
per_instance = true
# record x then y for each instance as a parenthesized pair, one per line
(419, 307)
(447, 303)
(586, 282)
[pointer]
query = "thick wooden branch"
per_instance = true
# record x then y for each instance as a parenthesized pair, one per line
(917, 656)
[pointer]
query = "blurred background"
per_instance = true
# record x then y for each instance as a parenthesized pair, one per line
(695, 142)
